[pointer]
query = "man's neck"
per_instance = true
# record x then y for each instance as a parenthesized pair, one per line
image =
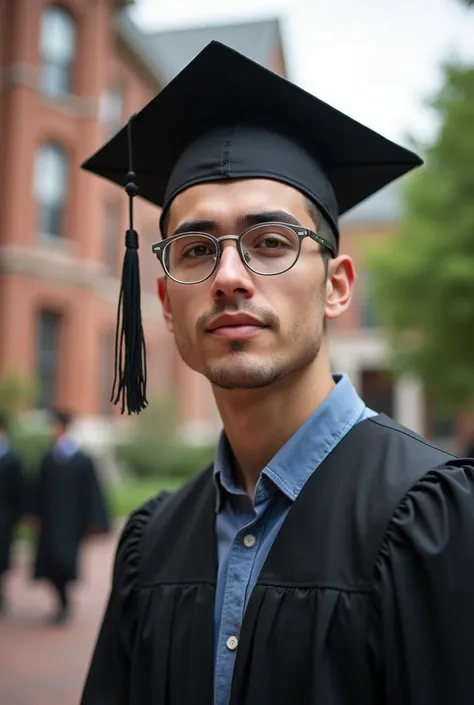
(258, 422)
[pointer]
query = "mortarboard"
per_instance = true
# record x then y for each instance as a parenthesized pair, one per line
(225, 116)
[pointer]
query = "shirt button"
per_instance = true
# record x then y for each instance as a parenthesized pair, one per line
(232, 643)
(250, 540)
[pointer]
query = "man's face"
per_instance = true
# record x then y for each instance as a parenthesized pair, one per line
(288, 309)
(57, 430)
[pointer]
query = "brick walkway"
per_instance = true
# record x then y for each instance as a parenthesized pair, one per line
(43, 665)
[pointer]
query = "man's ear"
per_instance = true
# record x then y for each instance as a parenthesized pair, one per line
(165, 302)
(339, 286)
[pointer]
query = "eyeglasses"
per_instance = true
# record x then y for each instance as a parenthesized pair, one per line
(267, 249)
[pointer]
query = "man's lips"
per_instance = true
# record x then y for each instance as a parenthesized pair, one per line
(235, 326)
(236, 332)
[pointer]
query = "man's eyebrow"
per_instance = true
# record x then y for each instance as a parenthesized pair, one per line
(193, 226)
(243, 221)
(277, 216)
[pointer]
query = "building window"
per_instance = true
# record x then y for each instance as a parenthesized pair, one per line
(111, 110)
(50, 188)
(47, 357)
(112, 236)
(57, 51)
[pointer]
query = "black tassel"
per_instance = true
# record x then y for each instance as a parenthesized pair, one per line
(130, 374)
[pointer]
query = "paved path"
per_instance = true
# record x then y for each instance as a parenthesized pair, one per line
(43, 665)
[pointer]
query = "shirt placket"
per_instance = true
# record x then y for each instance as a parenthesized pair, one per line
(241, 560)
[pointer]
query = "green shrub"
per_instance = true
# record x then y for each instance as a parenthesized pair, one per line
(148, 459)
(154, 449)
(185, 461)
(125, 497)
(31, 445)
(27, 435)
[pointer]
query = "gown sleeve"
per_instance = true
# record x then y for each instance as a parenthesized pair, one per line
(424, 593)
(108, 679)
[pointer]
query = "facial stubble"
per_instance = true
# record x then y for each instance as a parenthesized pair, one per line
(240, 371)
(239, 368)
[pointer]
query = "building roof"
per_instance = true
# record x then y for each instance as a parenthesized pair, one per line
(167, 52)
(133, 37)
(173, 50)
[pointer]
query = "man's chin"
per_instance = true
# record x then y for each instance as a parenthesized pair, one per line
(243, 373)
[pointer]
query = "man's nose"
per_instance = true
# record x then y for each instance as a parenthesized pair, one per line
(232, 276)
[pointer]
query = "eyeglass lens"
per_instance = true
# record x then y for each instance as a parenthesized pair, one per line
(266, 249)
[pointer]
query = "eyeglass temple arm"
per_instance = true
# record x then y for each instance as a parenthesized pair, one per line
(322, 241)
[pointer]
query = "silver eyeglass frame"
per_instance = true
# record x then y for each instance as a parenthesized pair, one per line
(301, 232)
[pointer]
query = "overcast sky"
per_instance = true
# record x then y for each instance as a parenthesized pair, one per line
(377, 60)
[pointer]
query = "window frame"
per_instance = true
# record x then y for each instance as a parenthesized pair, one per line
(112, 123)
(51, 210)
(48, 370)
(57, 73)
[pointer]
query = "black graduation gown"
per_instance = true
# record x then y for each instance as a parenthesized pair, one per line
(11, 503)
(69, 502)
(367, 594)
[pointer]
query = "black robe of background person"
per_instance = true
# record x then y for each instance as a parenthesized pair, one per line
(69, 503)
(11, 503)
(366, 596)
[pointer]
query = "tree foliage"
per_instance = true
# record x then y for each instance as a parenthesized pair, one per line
(423, 279)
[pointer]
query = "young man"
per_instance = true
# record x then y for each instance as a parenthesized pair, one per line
(11, 501)
(68, 504)
(326, 558)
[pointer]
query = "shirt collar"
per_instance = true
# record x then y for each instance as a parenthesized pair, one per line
(65, 446)
(291, 467)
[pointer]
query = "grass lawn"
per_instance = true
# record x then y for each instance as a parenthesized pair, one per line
(127, 496)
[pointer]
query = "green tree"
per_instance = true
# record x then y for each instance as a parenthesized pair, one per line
(423, 279)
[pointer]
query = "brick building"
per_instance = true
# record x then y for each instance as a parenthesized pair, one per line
(70, 75)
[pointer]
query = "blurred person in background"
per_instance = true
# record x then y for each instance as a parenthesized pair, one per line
(327, 555)
(11, 501)
(469, 449)
(68, 505)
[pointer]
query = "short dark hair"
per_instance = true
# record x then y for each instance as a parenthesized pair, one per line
(163, 225)
(322, 227)
(62, 417)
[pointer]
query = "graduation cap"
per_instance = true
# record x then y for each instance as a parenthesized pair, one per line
(225, 116)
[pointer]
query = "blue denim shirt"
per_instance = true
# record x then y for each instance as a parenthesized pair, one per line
(245, 531)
